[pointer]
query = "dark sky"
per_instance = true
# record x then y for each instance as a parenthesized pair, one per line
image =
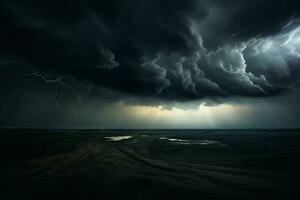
(150, 63)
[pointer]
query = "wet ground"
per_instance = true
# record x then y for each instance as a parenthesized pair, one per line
(149, 164)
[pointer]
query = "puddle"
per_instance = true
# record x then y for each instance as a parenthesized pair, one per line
(118, 138)
(182, 141)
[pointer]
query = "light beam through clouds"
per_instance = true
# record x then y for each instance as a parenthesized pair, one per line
(204, 116)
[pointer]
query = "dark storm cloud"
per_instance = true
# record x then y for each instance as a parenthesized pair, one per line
(174, 51)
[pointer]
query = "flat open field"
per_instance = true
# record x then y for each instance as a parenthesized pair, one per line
(149, 164)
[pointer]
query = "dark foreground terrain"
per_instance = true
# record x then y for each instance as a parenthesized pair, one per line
(145, 164)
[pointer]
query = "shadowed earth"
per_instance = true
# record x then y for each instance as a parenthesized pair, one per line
(149, 164)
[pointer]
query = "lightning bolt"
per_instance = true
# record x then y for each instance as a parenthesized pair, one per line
(58, 81)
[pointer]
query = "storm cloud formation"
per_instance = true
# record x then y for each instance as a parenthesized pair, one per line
(168, 51)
